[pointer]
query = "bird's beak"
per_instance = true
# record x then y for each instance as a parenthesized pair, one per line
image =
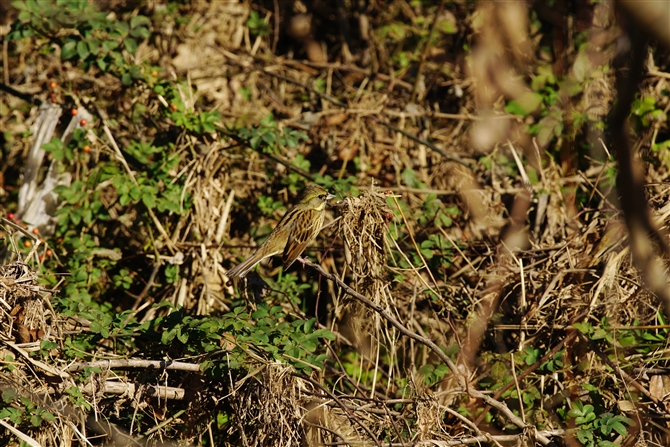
(330, 196)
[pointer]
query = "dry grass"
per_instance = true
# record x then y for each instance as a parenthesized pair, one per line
(522, 262)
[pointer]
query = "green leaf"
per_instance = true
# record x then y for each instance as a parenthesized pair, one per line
(55, 144)
(9, 395)
(130, 45)
(141, 32)
(82, 50)
(139, 20)
(411, 179)
(525, 105)
(585, 437)
(324, 333)
(619, 427)
(119, 30)
(102, 64)
(69, 50)
(584, 328)
(124, 199)
(260, 313)
(94, 46)
(20, 5)
(583, 420)
(75, 217)
(168, 336)
(149, 200)
(136, 72)
(109, 45)
(183, 337)
(46, 344)
(309, 345)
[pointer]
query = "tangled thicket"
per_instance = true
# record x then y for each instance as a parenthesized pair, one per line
(478, 278)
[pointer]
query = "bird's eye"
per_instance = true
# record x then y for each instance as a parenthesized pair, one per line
(323, 196)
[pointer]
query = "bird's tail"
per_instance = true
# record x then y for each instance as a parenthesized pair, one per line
(241, 270)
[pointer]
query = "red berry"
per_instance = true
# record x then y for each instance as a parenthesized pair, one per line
(10, 216)
(74, 112)
(48, 252)
(86, 148)
(52, 85)
(83, 122)
(36, 230)
(27, 243)
(173, 107)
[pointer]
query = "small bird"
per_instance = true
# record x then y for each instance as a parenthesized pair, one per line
(293, 233)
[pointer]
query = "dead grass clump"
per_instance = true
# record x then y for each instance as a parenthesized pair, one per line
(25, 309)
(363, 226)
(267, 406)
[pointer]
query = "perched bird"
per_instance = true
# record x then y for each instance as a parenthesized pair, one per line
(293, 233)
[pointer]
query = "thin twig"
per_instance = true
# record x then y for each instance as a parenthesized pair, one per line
(426, 143)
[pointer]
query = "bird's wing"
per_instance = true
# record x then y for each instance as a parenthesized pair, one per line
(303, 231)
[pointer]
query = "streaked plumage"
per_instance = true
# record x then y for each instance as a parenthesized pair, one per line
(293, 233)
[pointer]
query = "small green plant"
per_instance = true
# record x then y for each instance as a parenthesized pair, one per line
(433, 374)
(641, 341)
(555, 363)
(196, 122)
(345, 186)
(269, 206)
(529, 355)
(84, 34)
(76, 398)
(171, 274)
(646, 111)
(267, 329)
(20, 410)
(257, 25)
(86, 202)
(269, 138)
(123, 279)
(594, 430)
(434, 210)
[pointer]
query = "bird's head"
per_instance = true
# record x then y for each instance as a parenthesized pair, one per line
(315, 197)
